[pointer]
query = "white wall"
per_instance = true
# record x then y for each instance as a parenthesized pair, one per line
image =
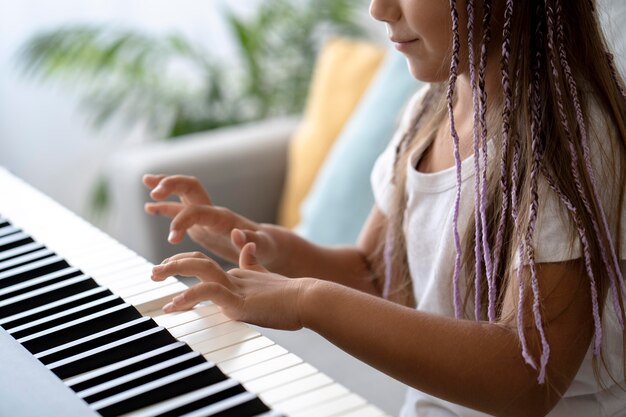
(44, 138)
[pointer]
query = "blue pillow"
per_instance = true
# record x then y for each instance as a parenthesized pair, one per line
(341, 196)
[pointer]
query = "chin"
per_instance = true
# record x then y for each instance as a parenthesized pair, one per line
(426, 73)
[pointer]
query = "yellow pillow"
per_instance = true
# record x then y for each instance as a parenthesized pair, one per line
(342, 73)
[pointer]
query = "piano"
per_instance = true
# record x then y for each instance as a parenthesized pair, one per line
(82, 333)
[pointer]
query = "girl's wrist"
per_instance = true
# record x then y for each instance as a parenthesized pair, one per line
(310, 293)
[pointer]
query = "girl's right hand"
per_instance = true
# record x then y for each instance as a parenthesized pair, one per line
(217, 229)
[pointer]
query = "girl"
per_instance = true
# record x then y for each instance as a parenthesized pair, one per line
(490, 274)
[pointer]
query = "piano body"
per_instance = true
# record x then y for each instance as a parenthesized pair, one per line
(82, 333)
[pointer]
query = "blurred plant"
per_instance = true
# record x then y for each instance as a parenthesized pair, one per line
(177, 87)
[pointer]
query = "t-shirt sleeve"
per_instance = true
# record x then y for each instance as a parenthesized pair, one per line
(382, 187)
(556, 238)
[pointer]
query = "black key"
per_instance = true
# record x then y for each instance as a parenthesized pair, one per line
(151, 374)
(126, 347)
(20, 250)
(168, 387)
(66, 316)
(250, 408)
(8, 230)
(71, 284)
(25, 259)
(75, 299)
(79, 328)
(13, 241)
(136, 363)
(34, 270)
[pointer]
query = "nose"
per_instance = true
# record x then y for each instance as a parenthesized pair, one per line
(385, 10)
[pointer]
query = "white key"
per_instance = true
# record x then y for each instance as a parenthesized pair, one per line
(142, 287)
(266, 368)
(226, 340)
(295, 388)
(239, 349)
(310, 399)
(212, 332)
(176, 319)
(334, 407)
(157, 298)
(198, 325)
(253, 358)
(280, 378)
(366, 411)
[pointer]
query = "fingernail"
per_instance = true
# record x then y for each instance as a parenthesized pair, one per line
(168, 307)
(165, 261)
(172, 235)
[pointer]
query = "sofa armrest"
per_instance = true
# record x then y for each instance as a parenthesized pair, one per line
(242, 167)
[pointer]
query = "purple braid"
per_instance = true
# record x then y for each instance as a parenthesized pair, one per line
(454, 64)
(535, 104)
(574, 156)
(477, 197)
(587, 255)
(616, 79)
(521, 284)
(483, 123)
(506, 136)
(586, 155)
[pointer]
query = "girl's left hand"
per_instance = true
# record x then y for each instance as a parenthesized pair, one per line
(249, 293)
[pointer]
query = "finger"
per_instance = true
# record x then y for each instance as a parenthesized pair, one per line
(204, 291)
(152, 180)
(195, 215)
(168, 209)
(185, 255)
(206, 270)
(240, 237)
(187, 188)
(248, 260)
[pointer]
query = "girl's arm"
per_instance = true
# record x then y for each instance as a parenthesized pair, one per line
(475, 364)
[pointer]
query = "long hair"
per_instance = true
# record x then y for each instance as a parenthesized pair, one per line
(554, 71)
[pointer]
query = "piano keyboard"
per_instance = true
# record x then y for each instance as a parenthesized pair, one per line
(83, 305)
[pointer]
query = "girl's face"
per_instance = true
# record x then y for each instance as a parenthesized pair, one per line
(422, 31)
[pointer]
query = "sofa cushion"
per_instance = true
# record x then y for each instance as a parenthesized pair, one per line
(341, 197)
(343, 71)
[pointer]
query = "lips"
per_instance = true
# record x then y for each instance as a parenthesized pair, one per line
(403, 41)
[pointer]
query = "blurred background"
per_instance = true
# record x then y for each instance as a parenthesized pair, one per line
(93, 94)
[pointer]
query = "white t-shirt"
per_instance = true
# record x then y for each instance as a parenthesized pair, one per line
(431, 252)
